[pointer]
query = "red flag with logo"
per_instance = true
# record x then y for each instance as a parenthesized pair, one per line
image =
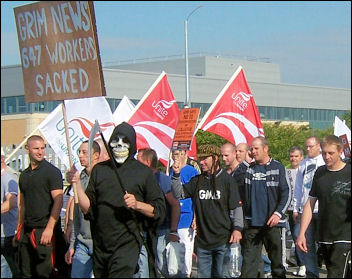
(155, 119)
(234, 114)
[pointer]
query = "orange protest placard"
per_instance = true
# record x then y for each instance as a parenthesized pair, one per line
(59, 50)
(185, 128)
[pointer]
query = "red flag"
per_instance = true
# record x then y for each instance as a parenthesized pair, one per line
(234, 114)
(192, 152)
(155, 118)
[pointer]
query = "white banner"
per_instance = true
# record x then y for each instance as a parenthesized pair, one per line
(81, 115)
(124, 110)
(340, 128)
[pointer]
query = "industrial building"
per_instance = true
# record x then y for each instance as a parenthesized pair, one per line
(208, 74)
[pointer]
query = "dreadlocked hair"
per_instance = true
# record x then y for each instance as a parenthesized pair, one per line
(214, 167)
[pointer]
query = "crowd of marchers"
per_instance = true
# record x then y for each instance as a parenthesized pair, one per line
(122, 216)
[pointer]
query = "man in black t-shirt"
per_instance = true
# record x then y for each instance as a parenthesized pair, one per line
(218, 210)
(39, 210)
(332, 187)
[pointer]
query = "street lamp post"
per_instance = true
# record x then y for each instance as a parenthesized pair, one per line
(187, 101)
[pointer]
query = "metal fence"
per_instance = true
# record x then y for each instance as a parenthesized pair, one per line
(20, 160)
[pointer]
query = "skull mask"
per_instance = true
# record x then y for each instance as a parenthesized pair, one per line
(120, 148)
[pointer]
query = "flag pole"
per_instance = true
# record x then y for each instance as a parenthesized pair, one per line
(69, 148)
(167, 172)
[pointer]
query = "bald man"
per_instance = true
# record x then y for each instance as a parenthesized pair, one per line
(242, 152)
(228, 155)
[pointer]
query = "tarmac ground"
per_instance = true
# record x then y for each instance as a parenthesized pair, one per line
(290, 269)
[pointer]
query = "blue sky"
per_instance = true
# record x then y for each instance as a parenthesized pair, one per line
(311, 41)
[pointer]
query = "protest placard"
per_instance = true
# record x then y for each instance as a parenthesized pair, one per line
(185, 128)
(59, 50)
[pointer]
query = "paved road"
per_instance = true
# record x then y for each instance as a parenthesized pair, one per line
(289, 274)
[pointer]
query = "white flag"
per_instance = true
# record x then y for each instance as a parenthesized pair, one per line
(340, 128)
(124, 110)
(81, 115)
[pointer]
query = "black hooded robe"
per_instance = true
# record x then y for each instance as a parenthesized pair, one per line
(116, 230)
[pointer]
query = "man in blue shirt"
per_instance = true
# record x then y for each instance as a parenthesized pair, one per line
(167, 231)
(185, 230)
(9, 192)
(266, 200)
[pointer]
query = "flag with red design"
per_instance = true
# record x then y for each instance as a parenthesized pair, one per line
(192, 152)
(234, 114)
(81, 115)
(155, 119)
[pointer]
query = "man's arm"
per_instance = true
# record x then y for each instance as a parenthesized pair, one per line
(175, 215)
(11, 192)
(69, 218)
(175, 210)
(54, 216)
(74, 208)
(83, 199)
(176, 186)
(285, 199)
(21, 210)
(9, 203)
(236, 217)
(305, 220)
(142, 207)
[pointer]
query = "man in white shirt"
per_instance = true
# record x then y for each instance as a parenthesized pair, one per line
(304, 180)
(296, 156)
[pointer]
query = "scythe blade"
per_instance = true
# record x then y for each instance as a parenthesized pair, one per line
(95, 129)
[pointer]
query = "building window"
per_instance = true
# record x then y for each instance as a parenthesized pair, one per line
(318, 118)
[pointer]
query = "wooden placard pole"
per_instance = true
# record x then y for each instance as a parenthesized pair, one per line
(168, 164)
(69, 148)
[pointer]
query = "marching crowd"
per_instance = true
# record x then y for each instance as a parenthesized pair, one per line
(132, 220)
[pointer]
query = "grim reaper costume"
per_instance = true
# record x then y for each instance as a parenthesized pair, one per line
(116, 229)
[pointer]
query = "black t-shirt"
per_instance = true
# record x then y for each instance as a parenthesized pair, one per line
(212, 209)
(333, 190)
(36, 186)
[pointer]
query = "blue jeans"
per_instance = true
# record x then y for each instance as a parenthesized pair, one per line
(210, 262)
(299, 254)
(82, 262)
(311, 258)
(143, 271)
(163, 240)
(5, 269)
(267, 263)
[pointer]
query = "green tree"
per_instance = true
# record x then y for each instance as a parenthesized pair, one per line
(204, 137)
(280, 138)
(347, 117)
